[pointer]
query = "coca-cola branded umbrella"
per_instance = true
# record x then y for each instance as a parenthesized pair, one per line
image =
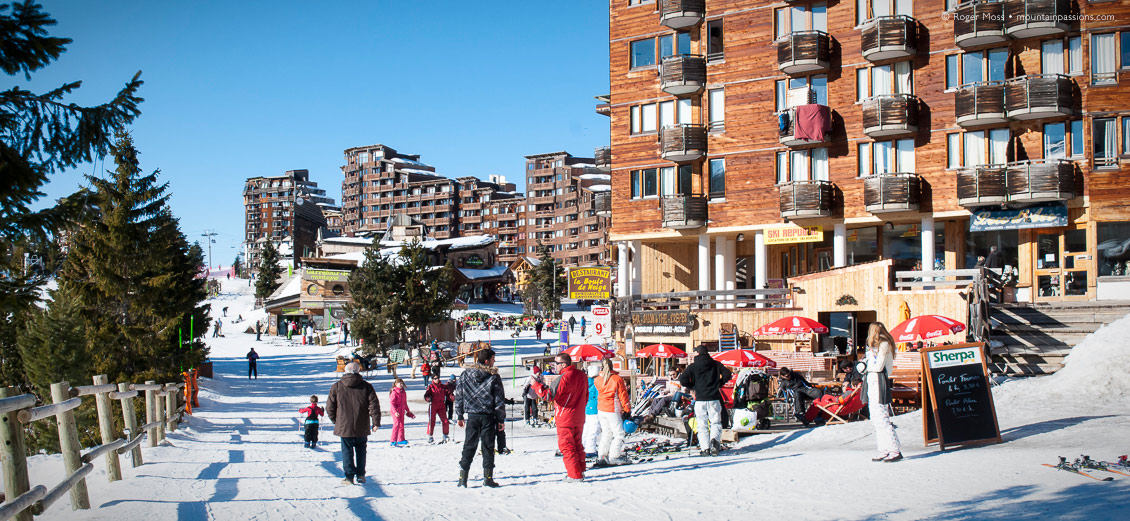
(926, 327)
(661, 351)
(743, 358)
(588, 353)
(793, 325)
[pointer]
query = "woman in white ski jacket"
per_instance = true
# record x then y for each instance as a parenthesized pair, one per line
(880, 363)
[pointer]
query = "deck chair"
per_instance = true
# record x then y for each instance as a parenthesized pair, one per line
(838, 412)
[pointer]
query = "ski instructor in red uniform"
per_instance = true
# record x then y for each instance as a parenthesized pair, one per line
(570, 395)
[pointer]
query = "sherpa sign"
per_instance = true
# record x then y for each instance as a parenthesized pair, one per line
(952, 357)
(957, 403)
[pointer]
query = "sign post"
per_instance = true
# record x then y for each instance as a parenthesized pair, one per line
(956, 399)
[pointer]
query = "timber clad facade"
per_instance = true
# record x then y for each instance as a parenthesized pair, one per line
(561, 208)
(939, 111)
(287, 210)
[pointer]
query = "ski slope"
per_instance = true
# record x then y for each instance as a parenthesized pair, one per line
(240, 457)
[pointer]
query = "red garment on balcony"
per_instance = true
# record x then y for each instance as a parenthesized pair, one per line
(813, 122)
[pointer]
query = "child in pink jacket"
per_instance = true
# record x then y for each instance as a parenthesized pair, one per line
(399, 400)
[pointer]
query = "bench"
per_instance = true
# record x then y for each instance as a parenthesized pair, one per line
(906, 391)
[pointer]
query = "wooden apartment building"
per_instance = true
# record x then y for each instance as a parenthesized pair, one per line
(562, 206)
(287, 210)
(755, 142)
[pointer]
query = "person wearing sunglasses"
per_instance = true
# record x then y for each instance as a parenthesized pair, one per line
(570, 394)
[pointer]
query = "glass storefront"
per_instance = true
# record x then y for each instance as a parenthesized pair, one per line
(978, 244)
(1113, 248)
(862, 245)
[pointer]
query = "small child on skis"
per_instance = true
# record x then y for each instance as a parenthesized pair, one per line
(436, 395)
(312, 412)
(399, 400)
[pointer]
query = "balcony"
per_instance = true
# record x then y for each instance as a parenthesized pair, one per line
(681, 212)
(547, 185)
(544, 199)
(889, 37)
(602, 204)
(890, 115)
(981, 186)
(1041, 180)
(682, 74)
(1038, 96)
(980, 104)
(804, 51)
(680, 14)
(603, 156)
(788, 136)
(682, 143)
(801, 199)
(1029, 18)
(891, 192)
(979, 23)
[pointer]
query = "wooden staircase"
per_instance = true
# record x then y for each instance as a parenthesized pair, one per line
(1034, 338)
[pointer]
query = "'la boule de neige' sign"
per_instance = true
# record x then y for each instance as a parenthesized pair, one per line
(957, 401)
(662, 322)
(591, 283)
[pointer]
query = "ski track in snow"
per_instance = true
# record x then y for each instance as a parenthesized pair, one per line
(240, 457)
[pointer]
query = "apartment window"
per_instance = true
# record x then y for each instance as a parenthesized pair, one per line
(978, 66)
(644, 52)
(715, 43)
(363, 157)
(953, 71)
(953, 150)
(869, 9)
(717, 100)
(717, 178)
(643, 118)
(1102, 59)
(1075, 55)
(812, 17)
(645, 183)
(1124, 49)
(1051, 57)
(1103, 143)
(895, 78)
(1055, 141)
(674, 112)
(802, 91)
(802, 165)
(1125, 135)
(638, 2)
(676, 180)
(985, 147)
(884, 157)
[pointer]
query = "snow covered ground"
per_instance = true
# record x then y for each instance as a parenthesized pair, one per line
(241, 457)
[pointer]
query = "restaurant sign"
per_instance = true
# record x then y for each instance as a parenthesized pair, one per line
(662, 322)
(593, 283)
(1040, 216)
(327, 275)
(794, 234)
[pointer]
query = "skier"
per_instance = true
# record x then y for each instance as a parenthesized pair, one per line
(613, 406)
(427, 371)
(355, 403)
(398, 402)
(312, 412)
(252, 364)
(414, 354)
(537, 327)
(584, 324)
(877, 391)
(437, 397)
(258, 331)
(216, 329)
(573, 324)
(591, 433)
(706, 376)
(570, 394)
(481, 396)
(225, 311)
(532, 390)
(345, 332)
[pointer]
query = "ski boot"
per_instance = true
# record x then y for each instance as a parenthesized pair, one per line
(462, 479)
(488, 479)
(431, 439)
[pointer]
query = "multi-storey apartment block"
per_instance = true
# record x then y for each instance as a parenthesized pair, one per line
(561, 208)
(287, 210)
(379, 183)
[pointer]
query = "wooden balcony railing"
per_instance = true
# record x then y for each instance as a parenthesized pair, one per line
(981, 186)
(787, 135)
(603, 157)
(890, 115)
(804, 51)
(684, 211)
(979, 23)
(1028, 18)
(1041, 180)
(679, 14)
(891, 192)
(682, 74)
(800, 199)
(602, 203)
(889, 37)
(682, 143)
(980, 104)
(1039, 96)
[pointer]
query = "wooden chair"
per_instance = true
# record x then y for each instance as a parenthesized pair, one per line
(835, 416)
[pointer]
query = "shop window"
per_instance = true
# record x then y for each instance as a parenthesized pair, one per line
(862, 245)
(978, 244)
(1113, 249)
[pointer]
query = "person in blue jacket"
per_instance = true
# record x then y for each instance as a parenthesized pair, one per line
(591, 434)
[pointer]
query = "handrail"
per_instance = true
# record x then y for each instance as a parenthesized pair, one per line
(27, 416)
(63, 487)
(16, 403)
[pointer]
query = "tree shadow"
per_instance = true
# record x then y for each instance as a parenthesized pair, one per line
(1030, 502)
(1024, 431)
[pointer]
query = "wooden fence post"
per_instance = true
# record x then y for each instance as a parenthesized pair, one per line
(130, 418)
(171, 407)
(151, 412)
(70, 446)
(162, 421)
(15, 461)
(106, 428)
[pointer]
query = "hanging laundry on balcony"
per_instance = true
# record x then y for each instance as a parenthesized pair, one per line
(783, 120)
(813, 122)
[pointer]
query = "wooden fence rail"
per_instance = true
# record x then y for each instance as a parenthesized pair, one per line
(21, 501)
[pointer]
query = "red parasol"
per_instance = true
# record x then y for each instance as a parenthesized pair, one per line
(743, 358)
(588, 353)
(926, 327)
(661, 351)
(791, 326)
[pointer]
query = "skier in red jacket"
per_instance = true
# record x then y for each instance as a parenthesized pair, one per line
(570, 395)
(436, 395)
(312, 412)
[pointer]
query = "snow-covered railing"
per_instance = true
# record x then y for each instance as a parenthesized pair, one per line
(21, 501)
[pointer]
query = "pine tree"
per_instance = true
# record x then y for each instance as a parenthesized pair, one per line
(375, 310)
(425, 291)
(547, 280)
(269, 272)
(237, 265)
(40, 134)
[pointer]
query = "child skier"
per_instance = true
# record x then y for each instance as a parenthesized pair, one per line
(427, 369)
(399, 400)
(312, 412)
(437, 398)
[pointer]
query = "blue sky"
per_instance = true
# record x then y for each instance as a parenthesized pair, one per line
(237, 89)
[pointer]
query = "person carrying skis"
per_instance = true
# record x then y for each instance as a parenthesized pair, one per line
(481, 396)
(533, 390)
(436, 395)
(570, 393)
(706, 376)
(312, 412)
(398, 402)
(591, 434)
(613, 406)
(353, 401)
(252, 369)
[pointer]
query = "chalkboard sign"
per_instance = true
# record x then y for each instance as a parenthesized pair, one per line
(957, 401)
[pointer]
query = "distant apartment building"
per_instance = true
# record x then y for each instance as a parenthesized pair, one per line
(380, 182)
(334, 222)
(563, 194)
(287, 210)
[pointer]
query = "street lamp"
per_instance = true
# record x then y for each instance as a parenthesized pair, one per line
(208, 239)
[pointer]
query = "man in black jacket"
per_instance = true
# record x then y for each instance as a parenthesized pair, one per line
(787, 379)
(479, 394)
(706, 376)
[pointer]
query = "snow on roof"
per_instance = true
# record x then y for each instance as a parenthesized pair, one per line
(484, 273)
(473, 241)
(411, 162)
(418, 171)
(599, 188)
(595, 177)
(290, 288)
(350, 240)
(358, 256)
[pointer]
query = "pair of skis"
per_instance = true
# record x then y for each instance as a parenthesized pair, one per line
(1082, 466)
